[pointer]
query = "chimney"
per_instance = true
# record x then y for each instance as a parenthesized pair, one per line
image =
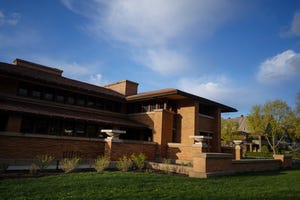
(125, 87)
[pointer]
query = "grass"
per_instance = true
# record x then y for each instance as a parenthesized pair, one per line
(133, 185)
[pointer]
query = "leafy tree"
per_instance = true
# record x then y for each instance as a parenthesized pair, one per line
(274, 120)
(229, 128)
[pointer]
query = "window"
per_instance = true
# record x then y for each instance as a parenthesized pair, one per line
(22, 92)
(144, 108)
(152, 107)
(160, 105)
(59, 98)
(41, 126)
(80, 101)
(48, 96)
(91, 103)
(27, 124)
(92, 131)
(70, 100)
(80, 129)
(68, 128)
(36, 94)
(54, 127)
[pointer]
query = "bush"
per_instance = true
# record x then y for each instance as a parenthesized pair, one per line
(101, 163)
(33, 168)
(43, 161)
(124, 164)
(166, 167)
(138, 160)
(68, 165)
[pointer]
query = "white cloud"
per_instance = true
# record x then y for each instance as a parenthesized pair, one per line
(151, 27)
(164, 61)
(12, 19)
(97, 79)
(71, 69)
(215, 88)
(295, 25)
(284, 66)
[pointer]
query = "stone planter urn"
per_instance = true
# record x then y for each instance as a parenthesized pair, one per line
(237, 142)
(199, 139)
(113, 134)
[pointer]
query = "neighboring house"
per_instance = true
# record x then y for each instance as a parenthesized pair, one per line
(251, 142)
(42, 112)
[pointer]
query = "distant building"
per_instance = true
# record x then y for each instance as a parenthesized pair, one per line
(42, 112)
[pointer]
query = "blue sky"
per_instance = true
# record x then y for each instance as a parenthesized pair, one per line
(237, 52)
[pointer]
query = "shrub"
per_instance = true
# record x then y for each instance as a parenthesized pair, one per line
(68, 165)
(101, 163)
(44, 160)
(138, 160)
(33, 168)
(124, 164)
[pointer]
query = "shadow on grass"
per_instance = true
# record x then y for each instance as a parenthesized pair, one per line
(261, 173)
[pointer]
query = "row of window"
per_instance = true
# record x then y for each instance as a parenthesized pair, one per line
(145, 107)
(59, 96)
(59, 127)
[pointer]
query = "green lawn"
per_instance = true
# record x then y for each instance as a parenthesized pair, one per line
(132, 185)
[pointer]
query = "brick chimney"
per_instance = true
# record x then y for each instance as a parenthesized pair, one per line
(125, 87)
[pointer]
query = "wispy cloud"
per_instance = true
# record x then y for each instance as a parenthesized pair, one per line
(152, 27)
(216, 88)
(11, 19)
(294, 27)
(282, 67)
(97, 79)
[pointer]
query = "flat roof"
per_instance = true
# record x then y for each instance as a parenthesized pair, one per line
(41, 76)
(177, 94)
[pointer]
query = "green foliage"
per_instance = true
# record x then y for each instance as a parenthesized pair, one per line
(101, 163)
(33, 169)
(69, 164)
(44, 160)
(268, 155)
(274, 120)
(229, 129)
(124, 164)
(264, 150)
(114, 185)
(138, 160)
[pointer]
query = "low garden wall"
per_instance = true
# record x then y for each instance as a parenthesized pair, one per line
(19, 146)
(115, 149)
(178, 151)
(27, 146)
(213, 164)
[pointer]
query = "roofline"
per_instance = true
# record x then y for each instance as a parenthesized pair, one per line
(172, 91)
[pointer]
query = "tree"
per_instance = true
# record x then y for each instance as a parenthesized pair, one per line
(274, 120)
(229, 128)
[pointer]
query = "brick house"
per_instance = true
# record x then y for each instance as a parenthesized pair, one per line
(42, 112)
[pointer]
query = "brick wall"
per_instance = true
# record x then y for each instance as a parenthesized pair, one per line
(8, 86)
(117, 149)
(17, 147)
(161, 121)
(14, 122)
(180, 151)
(125, 87)
(245, 165)
(187, 112)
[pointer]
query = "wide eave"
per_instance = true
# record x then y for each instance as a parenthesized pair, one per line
(176, 94)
